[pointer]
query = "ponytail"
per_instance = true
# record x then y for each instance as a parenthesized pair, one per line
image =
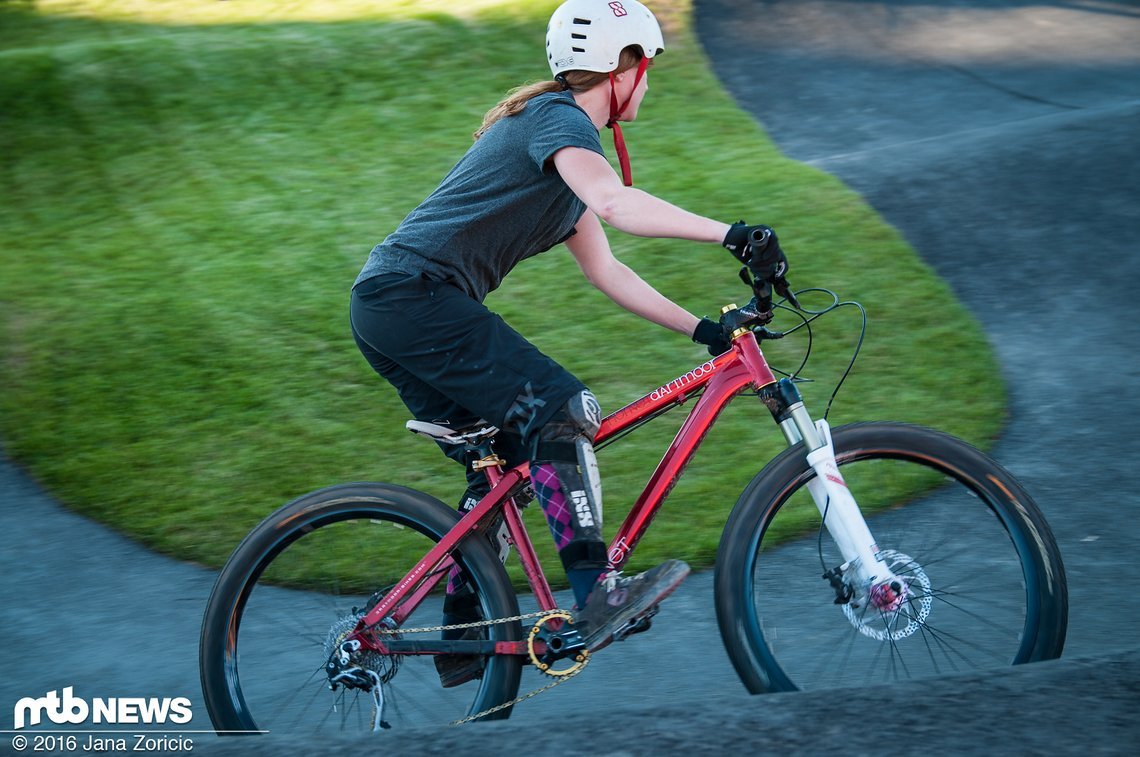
(515, 101)
(573, 81)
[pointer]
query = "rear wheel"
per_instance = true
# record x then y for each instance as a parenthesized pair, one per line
(301, 580)
(985, 583)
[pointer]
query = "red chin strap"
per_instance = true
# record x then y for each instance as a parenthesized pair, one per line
(615, 113)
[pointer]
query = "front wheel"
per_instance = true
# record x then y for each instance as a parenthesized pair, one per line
(300, 582)
(985, 582)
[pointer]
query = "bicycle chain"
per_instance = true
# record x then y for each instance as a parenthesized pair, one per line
(459, 626)
(476, 624)
(556, 682)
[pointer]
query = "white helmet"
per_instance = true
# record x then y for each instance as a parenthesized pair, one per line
(589, 35)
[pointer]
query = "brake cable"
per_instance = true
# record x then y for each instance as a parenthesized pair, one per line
(807, 317)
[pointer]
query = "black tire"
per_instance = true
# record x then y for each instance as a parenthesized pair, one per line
(301, 576)
(986, 591)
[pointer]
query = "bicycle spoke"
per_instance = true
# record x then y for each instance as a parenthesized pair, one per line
(926, 639)
(967, 604)
(333, 554)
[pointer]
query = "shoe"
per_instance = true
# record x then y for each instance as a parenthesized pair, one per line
(615, 607)
(457, 669)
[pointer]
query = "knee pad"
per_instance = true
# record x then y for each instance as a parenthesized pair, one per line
(568, 437)
(579, 417)
(584, 411)
(565, 445)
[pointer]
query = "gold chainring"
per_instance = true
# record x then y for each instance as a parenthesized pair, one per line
(577, 663)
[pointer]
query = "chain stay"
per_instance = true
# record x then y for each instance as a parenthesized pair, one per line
(460, 626)
(558, 680)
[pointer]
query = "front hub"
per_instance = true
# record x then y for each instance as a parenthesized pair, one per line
(898, 608)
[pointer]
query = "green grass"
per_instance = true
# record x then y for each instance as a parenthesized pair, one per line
(189, 188)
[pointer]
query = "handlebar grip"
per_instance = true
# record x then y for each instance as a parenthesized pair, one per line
(759, 236)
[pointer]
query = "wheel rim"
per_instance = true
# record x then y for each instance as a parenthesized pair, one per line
(303, 591)
(972, 603)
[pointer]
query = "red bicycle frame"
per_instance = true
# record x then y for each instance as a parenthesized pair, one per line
(721, 379)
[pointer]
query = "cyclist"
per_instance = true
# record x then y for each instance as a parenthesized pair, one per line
(536, 176)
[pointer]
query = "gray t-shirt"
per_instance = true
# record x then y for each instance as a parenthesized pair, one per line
(500, 204)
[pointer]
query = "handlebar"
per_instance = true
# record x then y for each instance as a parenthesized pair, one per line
(749, 317)
(762, 291)
(759, 236)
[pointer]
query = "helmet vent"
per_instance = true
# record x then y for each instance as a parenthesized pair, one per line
(578, 36)
(578, 49)
(583, 21)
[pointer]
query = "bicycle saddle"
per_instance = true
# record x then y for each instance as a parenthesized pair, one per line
(472, 434)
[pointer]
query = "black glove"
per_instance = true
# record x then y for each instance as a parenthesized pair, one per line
(758, 248)
(713, 334)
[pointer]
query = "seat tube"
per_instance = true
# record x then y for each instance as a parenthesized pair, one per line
(520, 539)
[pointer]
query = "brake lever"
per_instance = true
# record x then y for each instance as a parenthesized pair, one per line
(763, 290)
(785, 291)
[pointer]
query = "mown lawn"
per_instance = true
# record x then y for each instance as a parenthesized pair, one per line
(189, 188)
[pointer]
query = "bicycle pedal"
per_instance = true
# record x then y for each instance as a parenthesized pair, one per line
(640, 624)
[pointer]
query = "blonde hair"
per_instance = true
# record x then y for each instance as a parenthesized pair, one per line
(573, 81)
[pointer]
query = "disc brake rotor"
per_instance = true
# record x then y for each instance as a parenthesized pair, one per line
(913, 610)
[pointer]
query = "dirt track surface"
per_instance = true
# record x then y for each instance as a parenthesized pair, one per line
(1001, 138)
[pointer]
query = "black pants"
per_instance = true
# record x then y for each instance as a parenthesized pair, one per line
(451, 359)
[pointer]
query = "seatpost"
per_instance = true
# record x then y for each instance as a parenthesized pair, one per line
(487, 461)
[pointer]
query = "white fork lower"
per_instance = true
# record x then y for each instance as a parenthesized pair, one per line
(841, 515)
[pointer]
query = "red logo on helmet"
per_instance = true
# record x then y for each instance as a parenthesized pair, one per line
(619, 9)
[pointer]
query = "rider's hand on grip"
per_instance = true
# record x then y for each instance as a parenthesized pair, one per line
(713, 335)
(736, 241)
(758, 248)
(766, 266)
(766, 261)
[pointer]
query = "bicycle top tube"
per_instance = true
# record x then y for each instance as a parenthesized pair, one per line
(745, 351)
(676, 391)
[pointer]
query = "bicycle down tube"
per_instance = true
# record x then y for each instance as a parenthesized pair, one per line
(722, 379)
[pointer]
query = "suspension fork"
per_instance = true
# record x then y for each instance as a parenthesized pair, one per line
(841, 514)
